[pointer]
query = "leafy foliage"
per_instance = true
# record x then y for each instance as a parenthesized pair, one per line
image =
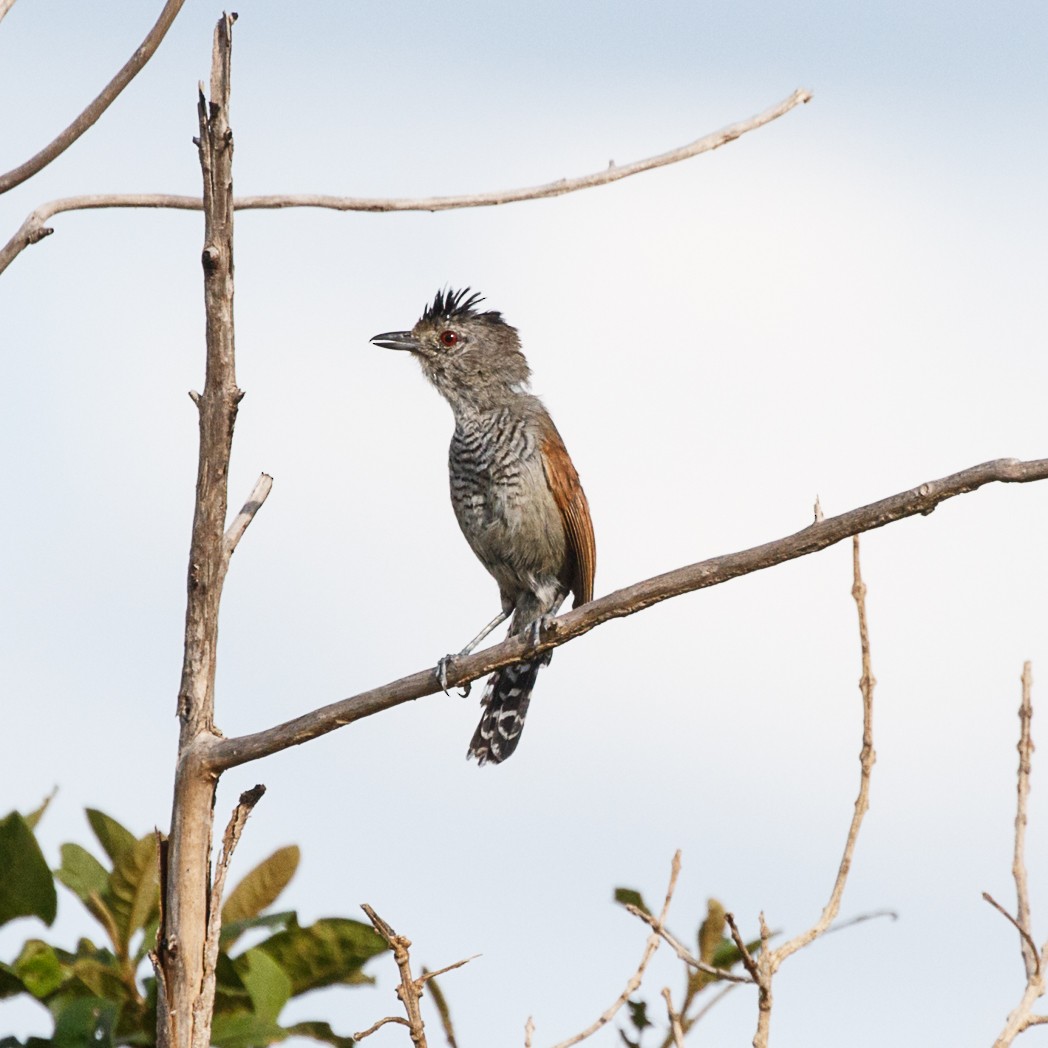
(95, 994)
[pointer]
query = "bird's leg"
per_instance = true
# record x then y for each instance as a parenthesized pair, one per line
(545, 621)
(447, 660)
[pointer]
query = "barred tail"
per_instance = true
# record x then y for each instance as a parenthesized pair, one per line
(505, 702)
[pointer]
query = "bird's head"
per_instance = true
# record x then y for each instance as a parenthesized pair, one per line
(472, 357)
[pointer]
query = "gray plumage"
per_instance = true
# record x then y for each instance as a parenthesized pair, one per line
(514, 489)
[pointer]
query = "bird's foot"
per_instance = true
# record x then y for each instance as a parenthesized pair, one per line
(442, 675)
(544, 624)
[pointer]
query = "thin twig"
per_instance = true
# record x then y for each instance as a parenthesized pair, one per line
(1022, 1015)
(714, 1000)
(110, 92)
(382, 1022)
(5, 6)
(1022, 886)
(740, 944)
(229, 752)
(441, 1003)
(235, 531)
(674, 1017)
(427, 975)
(867, 758)
(682, 951)
(33, 229)
(410, 989)
(1029, 946)
(768, 961)
(204, 1004)
(635, 979)
(529, 1032)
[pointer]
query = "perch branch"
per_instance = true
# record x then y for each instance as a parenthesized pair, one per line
(635, 979)
(130, 70)
(34, 229)
(227, 753)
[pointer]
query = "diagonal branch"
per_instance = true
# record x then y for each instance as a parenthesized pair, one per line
(33, 229)
(131, 69)
(222, 753)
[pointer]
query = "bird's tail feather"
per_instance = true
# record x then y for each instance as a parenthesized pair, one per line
(505, 703)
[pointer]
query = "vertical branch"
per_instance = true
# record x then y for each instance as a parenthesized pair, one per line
(182, 945)
(1022, 886)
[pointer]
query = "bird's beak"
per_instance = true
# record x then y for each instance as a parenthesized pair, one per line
(397, 340)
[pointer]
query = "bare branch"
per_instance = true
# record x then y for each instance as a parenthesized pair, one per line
(1022, 1015)
(227, 753)
(674, 1017)
(740, 944)
(441, 1003)
(205, 1002)
(376, 1026)
(131, 69)
(184, 934)
(635, 980)
(5, 6)
(236, 530)
(34, 230)
(1029, 947)
(1022, 886)
(682, 952)
(410, 990)
(867, 758)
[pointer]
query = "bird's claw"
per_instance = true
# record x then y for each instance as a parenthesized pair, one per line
(442, 676)
(543, 624)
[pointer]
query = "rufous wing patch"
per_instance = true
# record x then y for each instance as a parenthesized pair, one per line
(567, 493)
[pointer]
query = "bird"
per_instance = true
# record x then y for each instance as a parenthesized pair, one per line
(514, 489)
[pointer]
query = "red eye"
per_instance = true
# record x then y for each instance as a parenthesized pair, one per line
(448, 338)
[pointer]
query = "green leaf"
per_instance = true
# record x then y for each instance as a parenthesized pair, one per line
(85, 1022)
(260, 888)
(319, 1032)
(727, 954)
(102, 977)
(332, 950)
(244, 1031)
(265, 981)
(630, 897)
(10, 984)
(81, 872)
(39, 968)
(134, 888)
(34, 817)
(113, 837)
(27, 886)
(232, 931)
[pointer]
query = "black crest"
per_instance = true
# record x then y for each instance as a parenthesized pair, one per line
(449, 305)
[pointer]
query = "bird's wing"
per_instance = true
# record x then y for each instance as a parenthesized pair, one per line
(574, 511)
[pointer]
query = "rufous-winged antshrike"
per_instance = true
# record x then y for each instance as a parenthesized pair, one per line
(514, 489)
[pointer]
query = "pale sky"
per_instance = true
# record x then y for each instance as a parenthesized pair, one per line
(844, 304)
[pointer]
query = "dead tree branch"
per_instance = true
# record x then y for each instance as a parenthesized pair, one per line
(1022, 1016)
(183, 937)
(767, 962)
(410, 989)
(227, 753)
(110, 92)
(205, 1002)
(34, 228)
